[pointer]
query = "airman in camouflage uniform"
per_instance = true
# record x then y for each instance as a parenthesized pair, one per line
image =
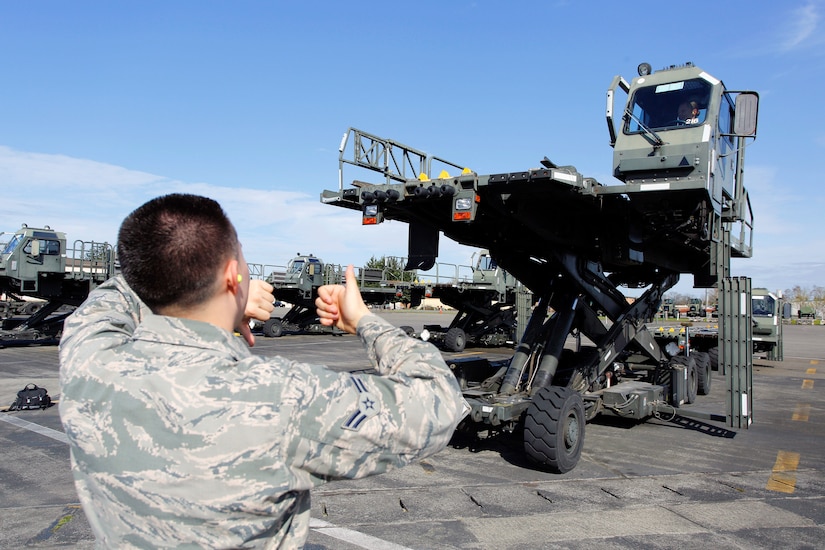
(180, 437)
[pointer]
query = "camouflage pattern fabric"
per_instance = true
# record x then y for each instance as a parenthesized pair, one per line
(181, 437)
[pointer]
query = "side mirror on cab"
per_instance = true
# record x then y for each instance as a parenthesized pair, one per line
(744, 119)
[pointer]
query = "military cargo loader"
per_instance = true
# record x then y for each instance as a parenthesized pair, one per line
(679, 206)
(36, 263)
(298, 286)
(485, 308)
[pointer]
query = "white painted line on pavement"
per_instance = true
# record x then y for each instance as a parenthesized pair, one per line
(36, 428)
(353, 537)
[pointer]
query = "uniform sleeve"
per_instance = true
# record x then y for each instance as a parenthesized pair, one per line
(351, 425)
(107, 319)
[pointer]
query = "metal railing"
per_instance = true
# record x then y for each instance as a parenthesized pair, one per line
(440, 274)
(91, 260)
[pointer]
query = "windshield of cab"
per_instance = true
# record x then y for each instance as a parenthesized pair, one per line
(762, 305)
(486, 263)
(12, 245)
(667, 106)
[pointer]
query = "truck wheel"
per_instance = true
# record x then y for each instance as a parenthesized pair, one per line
(455, 339)
(30, 308)
(692, 380)
(273, 328)
(703, 371)
(554, 428)
(663, 376)
(713, 355)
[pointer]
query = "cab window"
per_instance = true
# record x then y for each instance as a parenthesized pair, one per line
(48, 247)
(12, 244)
(668, 106)
(762, 305)
(487, 263)
(726, 123)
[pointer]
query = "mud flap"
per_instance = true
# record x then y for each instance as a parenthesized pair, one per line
(423, 247)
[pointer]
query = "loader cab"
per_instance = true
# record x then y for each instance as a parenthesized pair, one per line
(33, 261)
(488, 272)
(485, 268)
(765, 309)
(304, 271)
(679, 146)
(668, 130)
(680, 126)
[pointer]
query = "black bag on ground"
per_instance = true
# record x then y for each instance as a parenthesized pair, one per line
(31, 397)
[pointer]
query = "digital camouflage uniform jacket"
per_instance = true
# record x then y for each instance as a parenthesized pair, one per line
(181, 437)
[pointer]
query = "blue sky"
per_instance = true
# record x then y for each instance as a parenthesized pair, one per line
(104, 105)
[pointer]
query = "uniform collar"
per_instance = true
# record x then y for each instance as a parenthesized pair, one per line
(177, 331)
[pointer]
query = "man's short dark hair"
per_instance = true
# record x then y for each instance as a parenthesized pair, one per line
(172, 248)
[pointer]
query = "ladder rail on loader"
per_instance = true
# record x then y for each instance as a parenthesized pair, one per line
(681, 207)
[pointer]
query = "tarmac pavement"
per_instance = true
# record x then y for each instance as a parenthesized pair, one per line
(656, 484)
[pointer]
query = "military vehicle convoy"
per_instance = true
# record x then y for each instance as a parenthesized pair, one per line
(485, 307)
(679, 207)
(36, 263)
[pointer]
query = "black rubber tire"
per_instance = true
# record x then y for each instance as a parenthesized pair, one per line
(273, 328)
(455, 340)
(663, 376)
(31, 308)
(713, 354)
(692, 380)
(554, 428)
(703, 371)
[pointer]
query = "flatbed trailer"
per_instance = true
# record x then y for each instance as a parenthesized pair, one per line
(679, 207)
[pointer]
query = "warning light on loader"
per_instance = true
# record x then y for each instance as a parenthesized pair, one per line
(372, 215)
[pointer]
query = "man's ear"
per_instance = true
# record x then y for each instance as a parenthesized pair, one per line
(232, 276)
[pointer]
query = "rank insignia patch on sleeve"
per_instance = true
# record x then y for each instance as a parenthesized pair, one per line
(367, 406)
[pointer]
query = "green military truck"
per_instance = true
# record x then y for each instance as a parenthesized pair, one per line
(806, 312)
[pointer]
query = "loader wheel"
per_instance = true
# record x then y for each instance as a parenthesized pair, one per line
(31, 308)
(455, 340)
(713, 354)
(273, 328)
(692, 380)
(663, 376)
(554, 428)
(703, 371)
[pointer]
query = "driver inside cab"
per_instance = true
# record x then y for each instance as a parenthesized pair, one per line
(688, 113)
